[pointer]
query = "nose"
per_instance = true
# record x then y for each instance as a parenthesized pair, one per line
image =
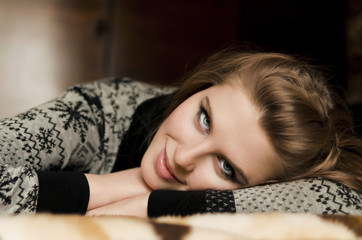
(188, 156)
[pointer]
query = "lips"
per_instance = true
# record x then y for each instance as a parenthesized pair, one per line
(163, 169)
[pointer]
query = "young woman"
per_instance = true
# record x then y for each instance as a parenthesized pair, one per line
(239, 119)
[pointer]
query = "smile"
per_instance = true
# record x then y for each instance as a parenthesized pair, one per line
(163, 168)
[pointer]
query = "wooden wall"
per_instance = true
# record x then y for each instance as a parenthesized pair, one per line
(45, 46)
(160, 40)
(48, 45)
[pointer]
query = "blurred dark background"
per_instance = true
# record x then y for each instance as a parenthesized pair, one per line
(48, 45)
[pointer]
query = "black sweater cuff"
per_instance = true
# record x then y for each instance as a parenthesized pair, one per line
(171, 202)
(62, 192)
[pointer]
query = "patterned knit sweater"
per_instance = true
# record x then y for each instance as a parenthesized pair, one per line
(81, 132)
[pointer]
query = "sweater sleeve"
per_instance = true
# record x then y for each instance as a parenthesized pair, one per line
(172, 202)
(62, 192)
(316, 196)
(45, 138)
(80, 131)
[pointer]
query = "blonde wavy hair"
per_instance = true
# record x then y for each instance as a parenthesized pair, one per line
(308, 123)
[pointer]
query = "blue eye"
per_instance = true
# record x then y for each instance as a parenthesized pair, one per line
(226, 168)
(204, 119)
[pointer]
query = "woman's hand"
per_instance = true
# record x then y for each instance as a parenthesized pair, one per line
(116, 188)
(133, 206)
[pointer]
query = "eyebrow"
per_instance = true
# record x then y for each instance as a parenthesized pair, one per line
(209, 110)
(238, 171)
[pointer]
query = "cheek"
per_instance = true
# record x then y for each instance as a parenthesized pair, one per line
(180, 124)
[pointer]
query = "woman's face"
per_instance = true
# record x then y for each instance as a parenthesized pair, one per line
(211, 141)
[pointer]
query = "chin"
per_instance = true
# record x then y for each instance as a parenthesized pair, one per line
(151, 184)
(147, 178)
(156, 184)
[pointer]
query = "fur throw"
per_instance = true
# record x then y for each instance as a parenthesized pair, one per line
(206, 226)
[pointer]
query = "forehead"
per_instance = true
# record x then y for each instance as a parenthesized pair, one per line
(236, 128)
